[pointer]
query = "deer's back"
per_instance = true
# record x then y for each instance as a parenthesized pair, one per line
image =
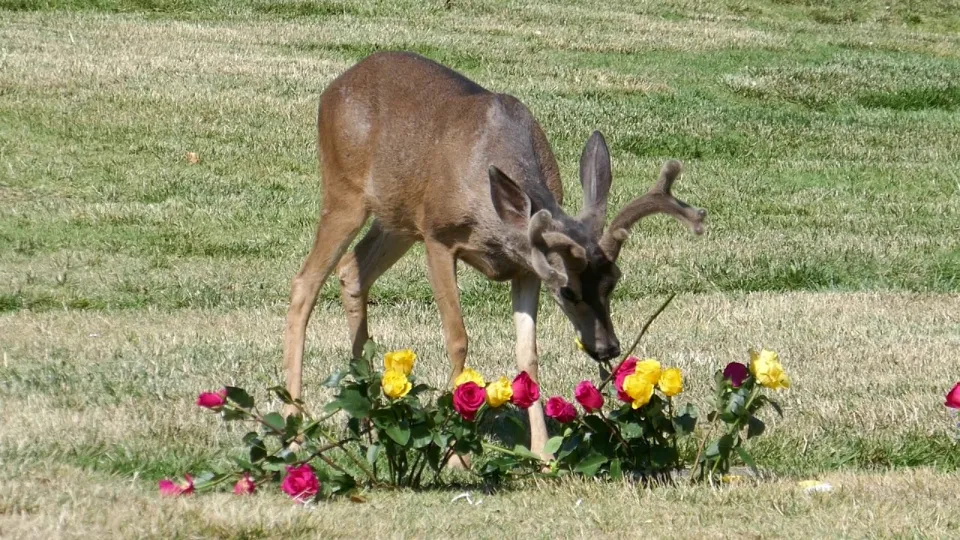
(416, 139)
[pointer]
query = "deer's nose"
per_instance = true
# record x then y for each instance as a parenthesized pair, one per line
(607, 353)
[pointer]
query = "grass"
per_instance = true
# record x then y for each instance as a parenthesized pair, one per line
(820, 134)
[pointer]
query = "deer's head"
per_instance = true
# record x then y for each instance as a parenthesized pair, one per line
(574, 256)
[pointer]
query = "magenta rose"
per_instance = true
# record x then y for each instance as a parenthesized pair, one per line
(213, 400)
(561, 410)
(628, 367)
(170, 488)
(953, 397)
(736, 373)
(300, 482)
(468, 398)
(526, 391)
(588, 396)
(245, 485)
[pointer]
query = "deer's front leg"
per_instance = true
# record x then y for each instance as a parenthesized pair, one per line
(442, 272)
(525, 292)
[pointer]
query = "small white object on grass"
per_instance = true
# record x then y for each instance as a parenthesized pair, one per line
(466, 495)
(815, 486)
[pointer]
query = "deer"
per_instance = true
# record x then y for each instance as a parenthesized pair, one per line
(436, 158)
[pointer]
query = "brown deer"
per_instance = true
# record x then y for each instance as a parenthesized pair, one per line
(436, 158)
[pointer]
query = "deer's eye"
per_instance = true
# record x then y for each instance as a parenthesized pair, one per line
(568, 295)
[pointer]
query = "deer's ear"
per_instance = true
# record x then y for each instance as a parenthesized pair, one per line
(511, 203)
(595, 178)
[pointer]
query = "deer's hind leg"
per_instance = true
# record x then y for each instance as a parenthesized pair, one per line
(341, 218)
(376, 252)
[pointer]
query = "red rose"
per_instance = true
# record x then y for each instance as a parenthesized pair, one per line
(213, 400)
(561, 410)
(526, 391)
(468, 398)
(300, 482)
(172, 489)
(588, 396)
(244, 485)
(628, 367)
(953, 397)
(736, 373)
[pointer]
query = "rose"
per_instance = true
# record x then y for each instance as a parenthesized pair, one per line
(499, 392)
(650, 369)
(526, 392)
(766, 367)
(172, 489)
(588, 396)
(401, 361)
(395, 384)
(213, 400)
(468, 398)
(953, 397)
(469, 375)
(628, 367)
(671, 382)
(244, 485)
(300, 482)
(736, 373)
(561, 410)
(639, 388)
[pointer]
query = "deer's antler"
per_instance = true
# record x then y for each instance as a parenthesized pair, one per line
(657, 200)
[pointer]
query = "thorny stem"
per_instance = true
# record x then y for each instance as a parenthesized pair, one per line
(637, 341)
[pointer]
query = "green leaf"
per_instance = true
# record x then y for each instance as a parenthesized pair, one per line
(590, 465)
(399, 432)
(274, 421)
(372, 453)
(274, 463)
(419, 389)
(748, 459)
(686, 423)
(294, 421)
(333, 380)
(233, 414)
(369, 351)
(631, 430)
(735, 407)
(422, 435)
(258, 450)
(755, 427)
(282, 394)
(776, 406)
(240, 397)
(250, 437)
(552, 445)
(713, 450)
(352, 402)
(523, 451)
(616, 471)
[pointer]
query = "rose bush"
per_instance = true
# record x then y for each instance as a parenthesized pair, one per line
(397, 429)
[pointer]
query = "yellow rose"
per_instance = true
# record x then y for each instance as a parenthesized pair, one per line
(671, 382)
(638, 387)
(499, 392)
(401, 361)
(469, 375)
(766, 368)
(650, 369)
(395, 384)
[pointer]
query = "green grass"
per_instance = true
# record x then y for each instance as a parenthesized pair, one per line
(820, 135)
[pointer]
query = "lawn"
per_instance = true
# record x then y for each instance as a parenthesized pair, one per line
(823, 137)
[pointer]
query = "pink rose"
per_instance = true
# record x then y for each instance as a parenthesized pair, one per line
(244, 485)
(588, 396)
(213, 400)
(953, 397)
(170, 488)
(468, 398)
(526, 391)
(736, 373)
(628, 367)
(300, 482)
(561, 410)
